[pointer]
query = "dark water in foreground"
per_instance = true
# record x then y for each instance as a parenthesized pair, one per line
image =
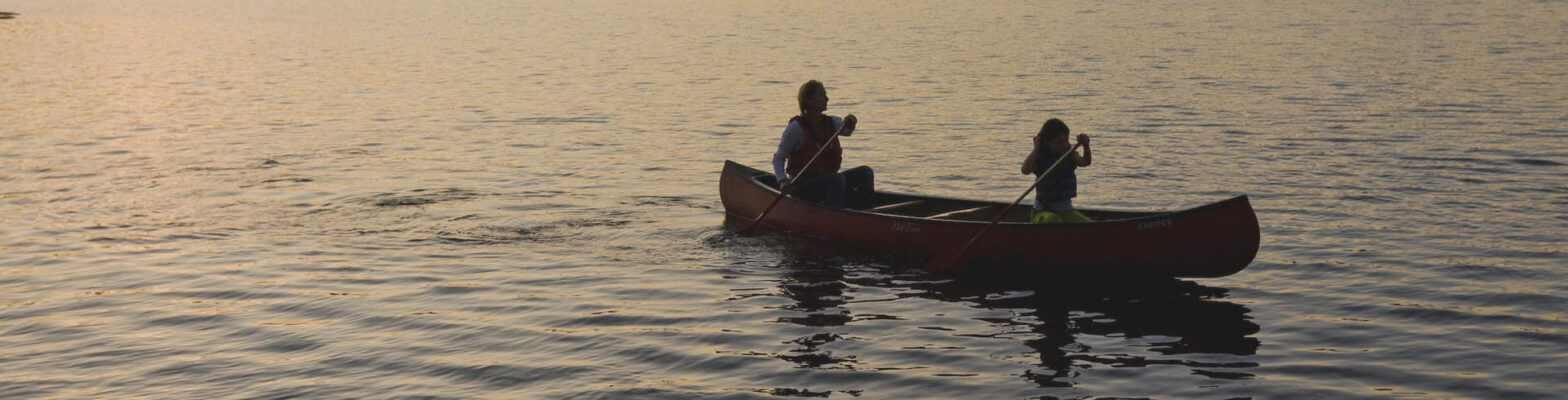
(493, 199)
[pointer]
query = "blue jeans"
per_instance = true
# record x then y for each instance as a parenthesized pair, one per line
(855, 188)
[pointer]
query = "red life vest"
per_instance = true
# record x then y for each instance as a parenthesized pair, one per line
(817, 132)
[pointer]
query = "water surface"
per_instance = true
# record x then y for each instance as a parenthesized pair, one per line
(496, 199)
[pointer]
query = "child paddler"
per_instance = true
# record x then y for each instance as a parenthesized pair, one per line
(1053, 201)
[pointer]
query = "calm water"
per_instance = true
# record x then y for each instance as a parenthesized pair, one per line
(518, 199)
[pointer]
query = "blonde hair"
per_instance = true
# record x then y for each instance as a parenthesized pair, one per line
(807, 89)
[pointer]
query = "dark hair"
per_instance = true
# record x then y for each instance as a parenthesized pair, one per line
(809, 88)
(1053, 127)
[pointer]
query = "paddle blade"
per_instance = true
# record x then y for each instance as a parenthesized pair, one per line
(943, 262)
(750, 227)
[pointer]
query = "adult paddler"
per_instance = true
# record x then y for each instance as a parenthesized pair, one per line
(806, 134)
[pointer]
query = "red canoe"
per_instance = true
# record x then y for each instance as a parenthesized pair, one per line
(1208, 241)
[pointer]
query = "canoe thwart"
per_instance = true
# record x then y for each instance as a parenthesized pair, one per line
(962, 213)
(895, 206)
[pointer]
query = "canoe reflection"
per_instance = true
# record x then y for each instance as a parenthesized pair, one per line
(1184, 322)
(1188, 318)
(818, 291)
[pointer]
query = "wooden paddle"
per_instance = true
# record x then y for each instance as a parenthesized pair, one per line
(784, 189)
(942, 262)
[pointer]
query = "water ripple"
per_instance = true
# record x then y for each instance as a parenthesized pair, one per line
(447, 208)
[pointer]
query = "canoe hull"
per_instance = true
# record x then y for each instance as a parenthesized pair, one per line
(1213, 240)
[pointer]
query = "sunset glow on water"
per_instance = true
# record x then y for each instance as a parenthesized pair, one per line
(519, 199)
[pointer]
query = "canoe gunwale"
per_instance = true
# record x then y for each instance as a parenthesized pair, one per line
(752, 175)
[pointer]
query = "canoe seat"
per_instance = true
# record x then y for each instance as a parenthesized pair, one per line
(895, 206)
(766, 179)
(963, 212)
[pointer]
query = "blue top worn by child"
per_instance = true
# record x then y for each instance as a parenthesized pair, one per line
(1053, 197)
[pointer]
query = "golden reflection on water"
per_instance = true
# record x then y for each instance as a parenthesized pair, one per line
(510, 199)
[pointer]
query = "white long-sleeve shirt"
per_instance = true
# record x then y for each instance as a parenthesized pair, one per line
(794, 134)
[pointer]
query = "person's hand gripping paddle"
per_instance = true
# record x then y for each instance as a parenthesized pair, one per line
(784, 187)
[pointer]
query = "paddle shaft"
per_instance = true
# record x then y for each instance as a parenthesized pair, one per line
(947, 262)
(784, 189)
